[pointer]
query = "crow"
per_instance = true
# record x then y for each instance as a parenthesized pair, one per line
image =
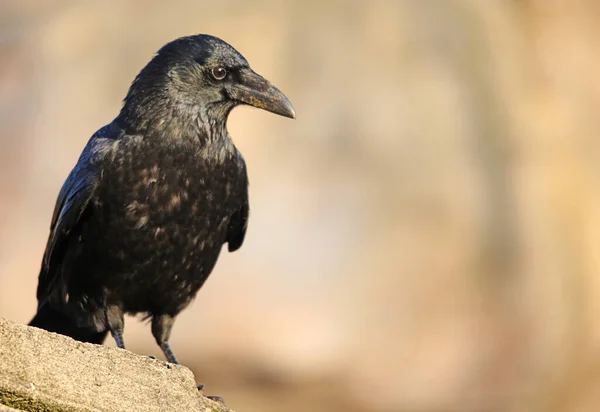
(141, 219)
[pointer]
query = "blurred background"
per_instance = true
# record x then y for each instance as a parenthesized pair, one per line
(424, 237)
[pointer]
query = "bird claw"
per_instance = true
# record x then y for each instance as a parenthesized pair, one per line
(151, 357)
(216, 399)
(211, 397)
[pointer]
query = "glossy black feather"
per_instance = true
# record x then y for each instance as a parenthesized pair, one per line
(141, 223)
(141, 219)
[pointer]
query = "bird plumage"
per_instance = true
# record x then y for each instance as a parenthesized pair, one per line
(141, 219)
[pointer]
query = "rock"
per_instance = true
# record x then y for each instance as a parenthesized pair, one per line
(42, 371)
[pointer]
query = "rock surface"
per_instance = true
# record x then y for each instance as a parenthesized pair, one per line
(42, 371)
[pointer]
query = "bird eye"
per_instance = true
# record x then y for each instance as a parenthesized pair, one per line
(219, 73)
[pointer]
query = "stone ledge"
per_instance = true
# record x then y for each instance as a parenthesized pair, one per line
(42, 371)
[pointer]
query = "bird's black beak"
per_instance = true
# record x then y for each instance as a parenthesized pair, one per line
(253, 89)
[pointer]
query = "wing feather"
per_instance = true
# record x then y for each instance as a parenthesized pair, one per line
(70, 209)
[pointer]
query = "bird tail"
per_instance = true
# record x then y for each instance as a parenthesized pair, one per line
(55, 321)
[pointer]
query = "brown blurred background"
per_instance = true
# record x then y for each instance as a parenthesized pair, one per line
(424, 237)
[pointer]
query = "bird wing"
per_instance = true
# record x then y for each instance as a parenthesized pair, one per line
(70, 209)
(237, 227)
(238, 222)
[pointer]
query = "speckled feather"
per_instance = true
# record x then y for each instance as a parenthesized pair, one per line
(140, 222)
(141, 219)
(142, 225)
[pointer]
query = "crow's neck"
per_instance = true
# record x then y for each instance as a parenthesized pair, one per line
(168, 121)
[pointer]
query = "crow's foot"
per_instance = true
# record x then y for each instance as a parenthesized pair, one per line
(211, 397)
(216, 399)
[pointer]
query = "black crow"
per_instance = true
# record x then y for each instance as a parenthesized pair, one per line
(141, 219)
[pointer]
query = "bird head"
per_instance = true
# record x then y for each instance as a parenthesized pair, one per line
(201, 77)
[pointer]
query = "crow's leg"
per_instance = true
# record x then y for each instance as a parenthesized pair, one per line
(115, 323)
(161, 330)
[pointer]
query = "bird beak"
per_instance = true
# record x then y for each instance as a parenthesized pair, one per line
(255, 90)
